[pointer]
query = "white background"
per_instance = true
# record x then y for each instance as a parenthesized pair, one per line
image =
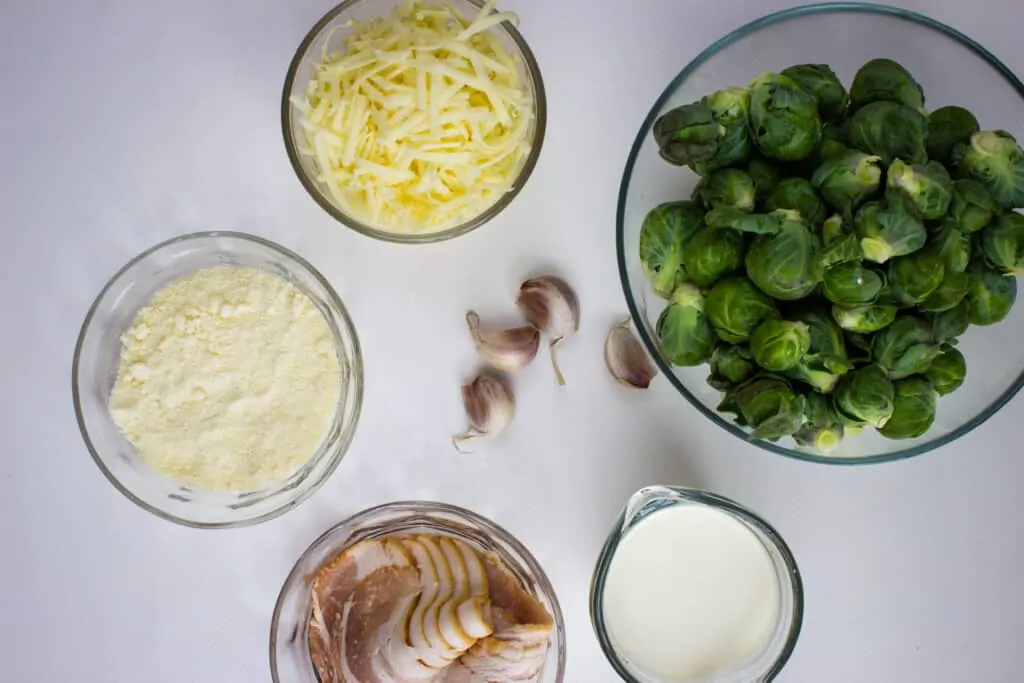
(126, 123)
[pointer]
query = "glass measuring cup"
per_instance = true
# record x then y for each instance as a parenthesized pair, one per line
(773, 656)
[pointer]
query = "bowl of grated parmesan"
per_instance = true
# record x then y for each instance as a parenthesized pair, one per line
(415, 126)
(217, 380)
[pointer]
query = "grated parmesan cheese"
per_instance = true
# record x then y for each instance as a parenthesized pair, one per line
(422, 122)
(228, 380)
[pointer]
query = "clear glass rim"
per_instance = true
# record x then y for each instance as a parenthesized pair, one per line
(620, 223)
(332, 457)
(540, 126)
(413, 507)
(732, 507)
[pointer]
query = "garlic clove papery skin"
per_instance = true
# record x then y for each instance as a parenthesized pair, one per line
(490, 407)
(626, 359)
(551, 305)
(508, 350)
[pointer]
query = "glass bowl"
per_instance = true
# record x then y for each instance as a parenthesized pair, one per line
(952, 68)
(331, 30)
(289, 629)
(97, 356)
(767, 665)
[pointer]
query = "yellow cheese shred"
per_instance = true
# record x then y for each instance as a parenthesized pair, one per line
(422, 121)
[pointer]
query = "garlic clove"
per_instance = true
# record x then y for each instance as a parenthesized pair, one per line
(626, 358)
(490, 407)
(507, 350)
(550, 305)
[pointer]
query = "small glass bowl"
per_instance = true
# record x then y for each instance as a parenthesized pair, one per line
(952, 69)
(97, 356)
(289, 629)
(332, 27)
(767, 665)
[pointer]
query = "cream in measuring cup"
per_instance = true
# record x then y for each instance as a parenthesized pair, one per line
(692, 588)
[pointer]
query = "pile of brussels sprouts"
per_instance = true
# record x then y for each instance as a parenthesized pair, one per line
(836, 247)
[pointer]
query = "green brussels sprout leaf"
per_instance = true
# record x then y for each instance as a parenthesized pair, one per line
(948, 126)
(890, 131)
(948, 325)
(913, 409)
(784, 120)
(1002, 242)
(731, 365)
(885, 80)
(822, 82)
(889, 229)
(685, 335)
(734, 219)
(906, 347)
(865, 396)
(841, 250)
(779, 345)
(768, 405)
(852, 284)
(864, 319)
(764, 176)
(848, 179)
(973, 206)
(994, 159)
(735, 307)
(711, 254)
(953, 245)
(948, 371)
(948, 295)
(797, 194)
(664, 232)
(728, 187)
(822, 429)
(928, 186)
(990, 295)
(783, 265)
(915, 276)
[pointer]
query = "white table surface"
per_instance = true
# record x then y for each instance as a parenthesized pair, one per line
(126, 123)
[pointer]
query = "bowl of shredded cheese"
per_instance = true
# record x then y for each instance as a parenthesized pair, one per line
(217, 380)
(416, 125)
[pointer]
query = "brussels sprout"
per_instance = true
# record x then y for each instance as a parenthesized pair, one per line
(889, 229)
(995, 160)
(729, 187)
(948, 325)
(928, 186)
(828, 348)
(1003, 243)
(973, 206)
(990, 295)
(949, 294)
(947, 371)
(683, 328)
(848, 179)
(948, 126)
(915, 276)
(851, 284)
(822, 429)
(837, 131)
(784, 120)
(782, 265)
(731, 365)
(711, 254)
(907, 347)
(885, 80)
(821, 380)
(734, 219)
(913, 409)
(664, 232)
(688, 134)
(833, 228)
(889, 130)
(779, 344)
(864, 319)
(952, 245)
(797, 194)
(822, 82)
(731, 109)
(865, 396)
(768, 405)
(858, 347)
(843, 249)
(735, 307)
(764, 176)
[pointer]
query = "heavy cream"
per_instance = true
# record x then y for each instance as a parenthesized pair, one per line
(690, 592)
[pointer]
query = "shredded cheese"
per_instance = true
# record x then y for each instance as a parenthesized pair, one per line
(422, 121)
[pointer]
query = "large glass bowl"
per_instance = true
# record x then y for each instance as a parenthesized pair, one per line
(952, 68)
(290, 660)
(331, 30)
(97, 356)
